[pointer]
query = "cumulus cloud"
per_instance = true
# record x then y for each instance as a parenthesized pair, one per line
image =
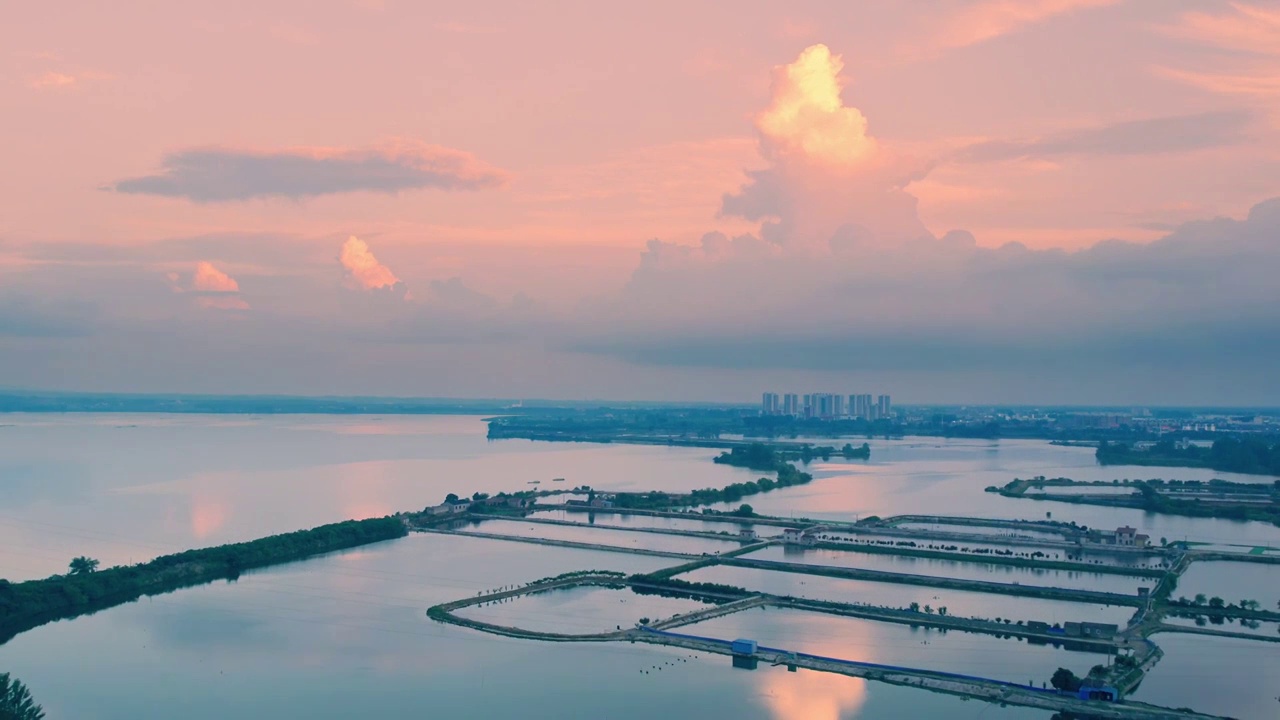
(807, 116)
(211, 288)
(1179, 133)
(210, 279)
(844, 278)
(1202, 299)
(362, 270)
(222, 174)
(826, 171)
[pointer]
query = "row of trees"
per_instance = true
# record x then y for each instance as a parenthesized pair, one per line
(85, 589)
(762, 456)
(1253, 455)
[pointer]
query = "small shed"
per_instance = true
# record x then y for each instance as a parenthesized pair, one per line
(744, 647)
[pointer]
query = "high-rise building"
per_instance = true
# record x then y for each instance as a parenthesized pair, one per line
(837, 406)
(883, 406)
(791, 404)
(769, 403)
(861, 406)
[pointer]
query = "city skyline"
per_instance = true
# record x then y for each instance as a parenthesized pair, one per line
(827, 405)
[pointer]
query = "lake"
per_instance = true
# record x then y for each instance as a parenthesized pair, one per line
(347, 636)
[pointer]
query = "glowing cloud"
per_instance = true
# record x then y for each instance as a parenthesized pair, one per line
(827, 177)
(210, 279)
(53, 80)
(808, 117)
(213, 288)
(363, 271)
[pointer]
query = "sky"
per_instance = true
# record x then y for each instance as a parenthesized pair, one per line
(952, 201)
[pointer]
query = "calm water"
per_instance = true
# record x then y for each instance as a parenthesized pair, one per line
(996, 532)
(992, 572)
(946, 477)
(346, 636)
(892, 644)
(1247, 627)
(579, 610)
(1236, 678)
(124, 488)
(1233, 582)
(962, 603)
(692, 522)
(607, 536)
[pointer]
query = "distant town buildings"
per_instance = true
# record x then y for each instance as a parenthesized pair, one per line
(827, 406)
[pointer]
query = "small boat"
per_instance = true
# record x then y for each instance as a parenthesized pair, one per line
(557, 480)
(535, 482)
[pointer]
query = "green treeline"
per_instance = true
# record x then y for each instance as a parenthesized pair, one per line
(33, 603)
(788, 476)
(1255, 456)
(762, 456)
(685, 590)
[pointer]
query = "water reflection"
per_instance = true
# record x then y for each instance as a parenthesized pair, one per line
(813, 696)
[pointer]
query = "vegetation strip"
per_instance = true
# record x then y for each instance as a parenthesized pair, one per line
(85, 589)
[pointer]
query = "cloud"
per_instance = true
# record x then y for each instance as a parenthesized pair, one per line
(222, 174)
(1201, 299)
(362, 269)
(1249, 36)
(807, 116)
(842, 277)
(1245, 28)
(980, 22)
(1179, 133)
(52, 79)
(212, 288)
(826, 171)
(210, 279)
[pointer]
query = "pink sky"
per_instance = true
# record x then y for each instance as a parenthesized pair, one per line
(414, 165)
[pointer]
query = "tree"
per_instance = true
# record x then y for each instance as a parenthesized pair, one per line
(451, 498)
(83, 565)
(942, 610)
(479, 496)
(1216, 602)
(1200, 599)
(914, 607)
(928, 610)
(16, 702)
(744, 510)
(1064, 679)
